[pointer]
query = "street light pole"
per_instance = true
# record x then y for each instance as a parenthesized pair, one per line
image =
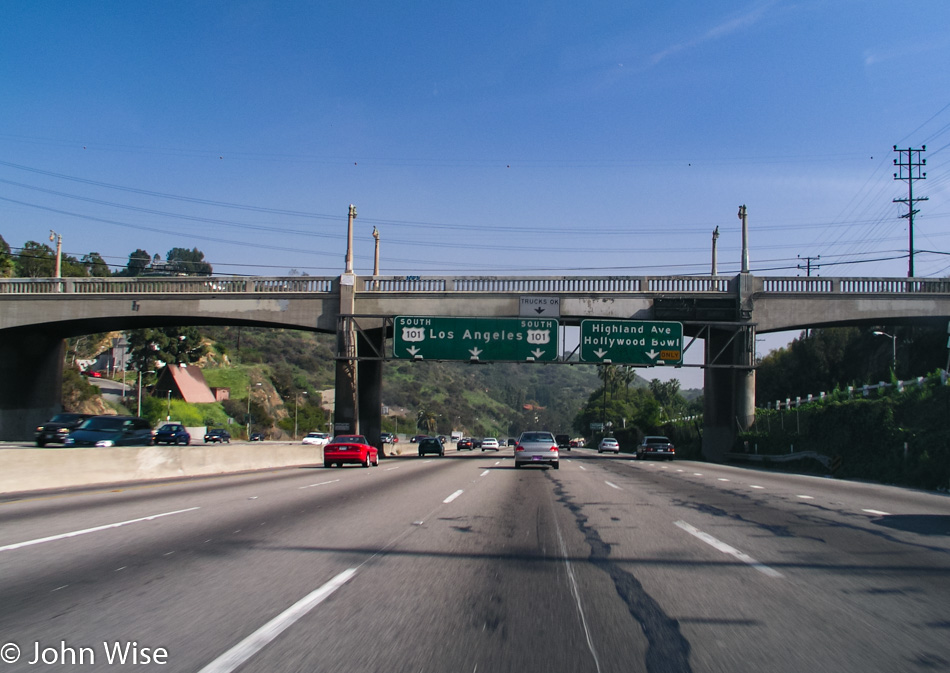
(893, 339)
(296, 400)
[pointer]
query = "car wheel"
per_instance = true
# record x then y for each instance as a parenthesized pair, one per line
(517, 466)
(328, 465)
(40, 444)
(599, 451)
(367, 462)
(557, 466)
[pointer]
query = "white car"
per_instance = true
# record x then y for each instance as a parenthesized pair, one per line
(489, 443)
(317, 438)
(608, 444)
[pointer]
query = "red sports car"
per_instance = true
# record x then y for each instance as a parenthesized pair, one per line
(350, 449)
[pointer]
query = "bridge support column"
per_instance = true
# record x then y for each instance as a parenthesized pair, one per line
(31, 381)
(729, 395)
(346, 402)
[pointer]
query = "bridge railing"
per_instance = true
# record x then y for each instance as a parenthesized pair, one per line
(547, 284)
(818, 285)
(167, 285)
(814, 285)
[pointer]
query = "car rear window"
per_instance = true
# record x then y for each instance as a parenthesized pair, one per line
(537, 437)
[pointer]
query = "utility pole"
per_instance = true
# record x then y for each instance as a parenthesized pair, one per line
(715, 252)
(910, 159)
(745, 238)
(376, 255)
(808, 265)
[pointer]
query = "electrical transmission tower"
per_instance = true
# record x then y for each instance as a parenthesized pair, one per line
(910, 160)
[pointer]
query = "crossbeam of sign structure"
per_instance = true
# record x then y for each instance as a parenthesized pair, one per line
(475, 339)
(633, 342)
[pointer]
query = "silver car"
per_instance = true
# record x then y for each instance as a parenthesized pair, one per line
(536, 448)
(608, 444)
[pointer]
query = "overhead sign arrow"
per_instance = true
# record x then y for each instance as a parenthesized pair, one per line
(537, 353)
(652, 354)
(600, 353)
(475, 353)
(412, 351)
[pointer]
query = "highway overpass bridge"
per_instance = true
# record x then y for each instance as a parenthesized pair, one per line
(724, 314)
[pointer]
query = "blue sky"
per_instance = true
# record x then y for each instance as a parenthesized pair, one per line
(479, 138)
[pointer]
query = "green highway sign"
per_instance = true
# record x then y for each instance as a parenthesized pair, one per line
(632, 342)
(475, 339)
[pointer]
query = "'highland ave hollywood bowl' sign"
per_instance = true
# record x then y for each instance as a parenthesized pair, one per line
(635, 342)
(475, 339)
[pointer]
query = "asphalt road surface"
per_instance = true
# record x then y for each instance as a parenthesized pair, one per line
(464, 563)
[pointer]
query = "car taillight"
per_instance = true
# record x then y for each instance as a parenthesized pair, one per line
(553, 448)
(518, 447)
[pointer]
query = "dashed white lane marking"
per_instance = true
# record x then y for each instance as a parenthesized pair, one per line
(583, 468)
(613, 485)
(697, 474)
(497, 462)
(754, 486)
(453, 496)
(74, 533)
(393, 468)
(805, 497)
(322, 483)
(484, 473)
(727, 549)
(722, 479)
(253, 644)
(876, 512)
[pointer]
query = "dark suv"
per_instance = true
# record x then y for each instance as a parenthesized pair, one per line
(431, 445)
(217, 435)
(56, 429)
(563, 442)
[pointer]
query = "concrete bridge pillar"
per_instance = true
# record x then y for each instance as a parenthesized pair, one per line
(346, 405)
(31, 373)
(729, 389)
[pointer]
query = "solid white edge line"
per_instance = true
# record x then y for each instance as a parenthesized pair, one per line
(726, 549)
(255, 642)
(74, 533)
(876, 511)
(453, 496)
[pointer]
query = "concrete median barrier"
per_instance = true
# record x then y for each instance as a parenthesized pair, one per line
(39, 469)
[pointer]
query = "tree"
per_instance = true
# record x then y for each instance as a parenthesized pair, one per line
(171, 345)
(138, 262)
(35, 260)
(95, 265)
(191, 262)
(7, 266)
